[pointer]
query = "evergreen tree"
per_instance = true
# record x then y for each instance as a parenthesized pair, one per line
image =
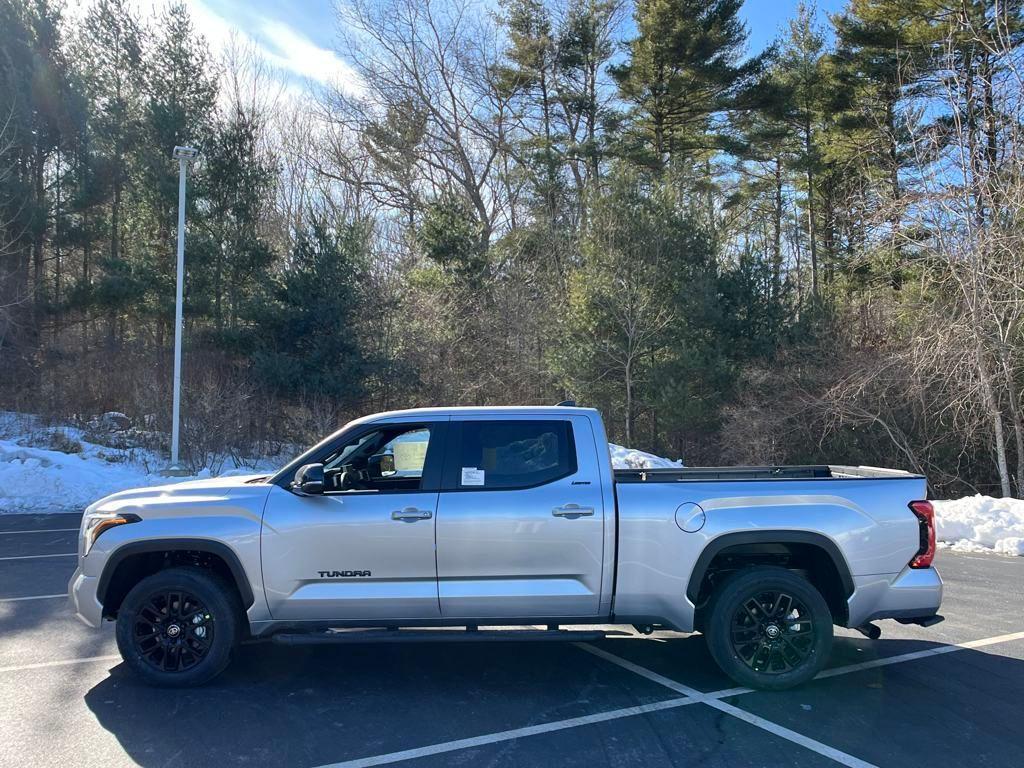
(302, 339)
(110, 47)
(530, 79)
(451, 236)
(181, 93)
(111, 43)
(686, 67)
(235, 257)
(765, 150)
(585, 45)
(18, 206)
(647, 275)
(803, 74)
(40, 117)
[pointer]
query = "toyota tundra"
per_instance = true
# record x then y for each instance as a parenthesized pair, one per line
(406, 524)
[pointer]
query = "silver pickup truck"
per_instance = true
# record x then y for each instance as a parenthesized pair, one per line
(404, 524)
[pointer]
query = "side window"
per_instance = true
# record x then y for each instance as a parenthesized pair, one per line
(513, 454)
(391, 458)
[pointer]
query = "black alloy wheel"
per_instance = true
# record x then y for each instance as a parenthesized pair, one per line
(178, 627)
(173, 631)
(773, 632)
(768, 627)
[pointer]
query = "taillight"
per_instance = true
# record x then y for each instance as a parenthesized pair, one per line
(926, 524)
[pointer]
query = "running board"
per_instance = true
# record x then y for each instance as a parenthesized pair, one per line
(340, 637)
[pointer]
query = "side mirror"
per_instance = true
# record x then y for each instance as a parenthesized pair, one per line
(309, 479)
(381, 465)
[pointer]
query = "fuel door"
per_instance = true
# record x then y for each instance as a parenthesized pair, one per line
(690, 517)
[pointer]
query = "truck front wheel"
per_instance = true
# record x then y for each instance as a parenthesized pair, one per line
(177, 628)
(769, 628)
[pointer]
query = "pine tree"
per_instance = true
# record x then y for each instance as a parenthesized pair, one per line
(110, 47)
(301, 337)
(802, 73)
(765, 147)
(181, 93)
(585, 45)
(529, 78)
(686, 67)
(646, 281)
(111, 43)
(18, 206)
(237, 183)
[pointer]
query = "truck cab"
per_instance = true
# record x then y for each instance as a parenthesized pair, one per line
(453, 514)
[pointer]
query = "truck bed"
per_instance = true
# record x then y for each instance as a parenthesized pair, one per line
(776, 472)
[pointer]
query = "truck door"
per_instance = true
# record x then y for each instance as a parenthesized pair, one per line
(365, 548)
(520, 521)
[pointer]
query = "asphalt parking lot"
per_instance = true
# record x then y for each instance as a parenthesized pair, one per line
(951, 694)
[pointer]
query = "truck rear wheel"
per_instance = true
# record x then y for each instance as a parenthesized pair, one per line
(769, 628)
(177, 628)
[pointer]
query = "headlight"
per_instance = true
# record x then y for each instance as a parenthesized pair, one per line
(98, 522)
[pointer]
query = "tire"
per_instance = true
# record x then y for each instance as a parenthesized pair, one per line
(178, 627)
(769, 628)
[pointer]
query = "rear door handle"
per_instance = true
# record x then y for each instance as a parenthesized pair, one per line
(411, 514)
(572, 511)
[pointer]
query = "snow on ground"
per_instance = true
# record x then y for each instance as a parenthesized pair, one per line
(631, 458)
(981, 524)
(41, 480)
(36, 477)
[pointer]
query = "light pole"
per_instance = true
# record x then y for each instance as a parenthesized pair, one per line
(183, 156)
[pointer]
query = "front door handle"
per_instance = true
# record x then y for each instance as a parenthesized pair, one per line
(411, 514)
(572, 511)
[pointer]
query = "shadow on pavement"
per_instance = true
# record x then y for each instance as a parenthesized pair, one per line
(309, 706)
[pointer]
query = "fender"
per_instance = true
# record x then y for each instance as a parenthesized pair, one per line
(716, 545)
(223, 551)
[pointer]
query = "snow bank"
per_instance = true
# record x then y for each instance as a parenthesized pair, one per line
(981, 524)
(41, 480)
(34, 478)
(630, 458)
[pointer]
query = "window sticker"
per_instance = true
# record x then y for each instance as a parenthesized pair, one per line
(472, 476)
(410, 455)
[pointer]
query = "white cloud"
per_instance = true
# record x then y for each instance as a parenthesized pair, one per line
(280, 44)
(217, 30)
(301, 56)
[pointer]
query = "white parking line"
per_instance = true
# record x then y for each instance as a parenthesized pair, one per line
(713, 700)
(650, 674)
(61, 663)
(937, 651)
(31, 597)
(41, 530)
(797, 738)
(516, 733)
(36, 557)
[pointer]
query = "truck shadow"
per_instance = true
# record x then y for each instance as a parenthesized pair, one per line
(310, 706)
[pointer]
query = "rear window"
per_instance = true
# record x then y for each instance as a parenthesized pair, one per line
(513, 454)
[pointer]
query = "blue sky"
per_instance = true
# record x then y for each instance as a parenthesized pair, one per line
(299, 37)
(766, 18)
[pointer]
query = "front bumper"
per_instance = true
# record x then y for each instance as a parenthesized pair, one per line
(82, 598)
